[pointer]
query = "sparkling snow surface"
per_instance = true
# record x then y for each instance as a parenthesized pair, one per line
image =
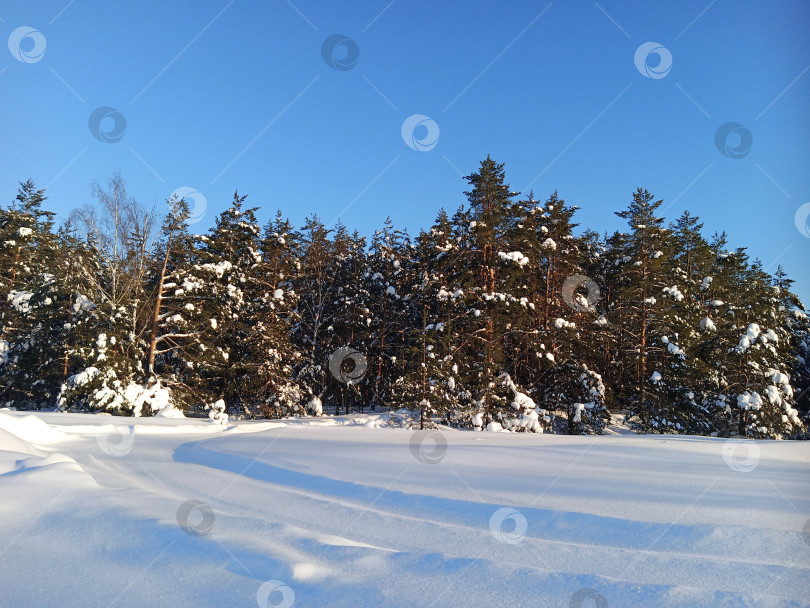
(107, 511)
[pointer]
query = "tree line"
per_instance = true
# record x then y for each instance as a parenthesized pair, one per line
(497, 317)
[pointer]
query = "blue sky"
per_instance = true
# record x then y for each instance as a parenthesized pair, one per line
(220, 95)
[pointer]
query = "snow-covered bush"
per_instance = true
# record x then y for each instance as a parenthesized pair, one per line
(217, 413)
(100, 390)
(526, 417)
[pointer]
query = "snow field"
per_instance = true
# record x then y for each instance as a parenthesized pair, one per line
(109, 511)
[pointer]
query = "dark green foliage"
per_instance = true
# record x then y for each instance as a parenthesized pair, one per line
(499, 316)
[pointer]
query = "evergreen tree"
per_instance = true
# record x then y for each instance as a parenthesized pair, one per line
(350, 314)
(559, 317)
(429, 381)
(497, 317)
(317, 291)
(652, 345)
(273, 309)
(485, 279)
(28, 255)
(761, 387)
(683, 312)
(386, 324)
(233, 344)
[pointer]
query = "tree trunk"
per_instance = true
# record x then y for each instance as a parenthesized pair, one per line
(153, 337)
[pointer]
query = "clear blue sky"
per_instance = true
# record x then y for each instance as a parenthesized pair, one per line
(220, 95)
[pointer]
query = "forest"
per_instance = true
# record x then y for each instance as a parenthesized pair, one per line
(501, 316)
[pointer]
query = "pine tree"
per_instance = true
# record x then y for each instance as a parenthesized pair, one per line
(764, 395)
(231, 299)
(682, 304)
(349, 313)
(484, 280)
(795, 346)
(28, 255)
(558, 318)
(273, 305)
(173, 242)
(645, 255)
(428, 381)
(317, 291)
(387, 309)
(496, 317)
(718, 378)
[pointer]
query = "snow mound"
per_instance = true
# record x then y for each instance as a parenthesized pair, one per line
(29, 428)
(11, 448)
(53, 460)
(9, 442)
(169, 411)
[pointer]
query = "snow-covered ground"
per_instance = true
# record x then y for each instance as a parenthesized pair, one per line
(103, 511)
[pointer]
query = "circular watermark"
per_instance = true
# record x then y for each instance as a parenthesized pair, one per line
(597, 600)
(741, 456)
(340, 52)
(348, 365)
(27, 44)
(511, 533)
(197, 203)
(428, 135)
(117, 441)
(107, 125)
(429, 447)
(653, 60)
(802, 220)
(577, 301)
(733, 140)
(275, 594)
(195, 517)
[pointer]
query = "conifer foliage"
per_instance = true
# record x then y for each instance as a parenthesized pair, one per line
(501, 316)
